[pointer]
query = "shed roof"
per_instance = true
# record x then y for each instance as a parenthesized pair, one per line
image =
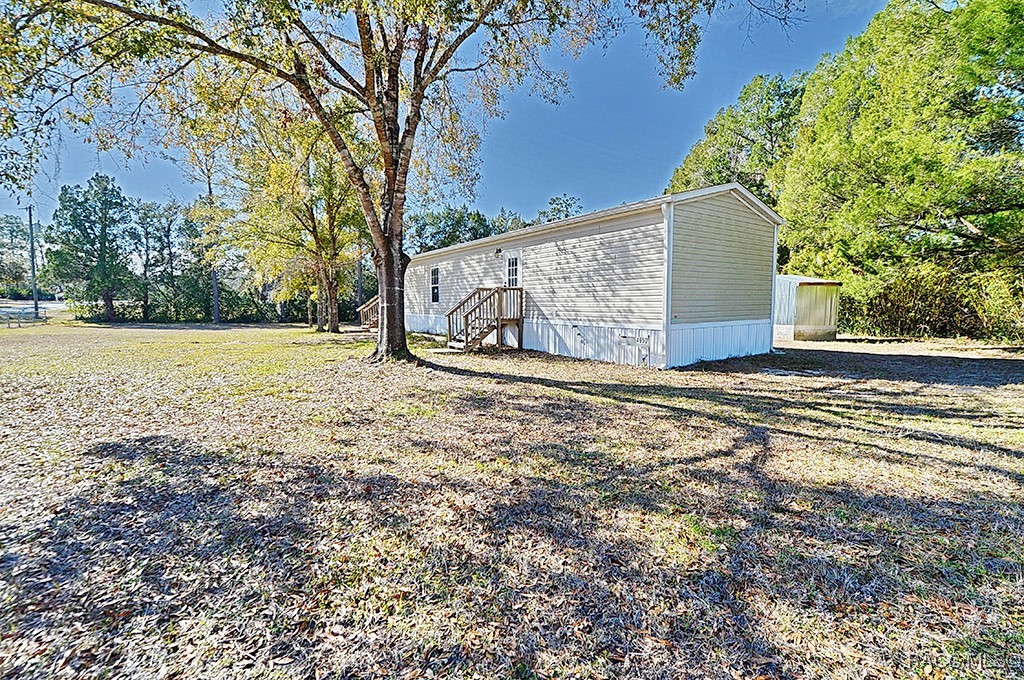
(742, 193)
(807, 280)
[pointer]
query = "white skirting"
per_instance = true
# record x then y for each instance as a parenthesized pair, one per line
(636, 346)
(633, 345)
(690, 343)
(427, 323)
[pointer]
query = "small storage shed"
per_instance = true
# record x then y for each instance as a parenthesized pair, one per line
(665, 282)
(805, 308)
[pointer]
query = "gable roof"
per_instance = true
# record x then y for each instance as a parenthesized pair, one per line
(735, 188)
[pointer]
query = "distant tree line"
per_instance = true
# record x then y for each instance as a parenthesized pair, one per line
(15, 282)
(898, 164)
(120, 259)
(284, 241)
(431, 230)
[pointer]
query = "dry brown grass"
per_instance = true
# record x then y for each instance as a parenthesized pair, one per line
(258, 502)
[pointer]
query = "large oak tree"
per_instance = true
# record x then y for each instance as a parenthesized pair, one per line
(405, 66)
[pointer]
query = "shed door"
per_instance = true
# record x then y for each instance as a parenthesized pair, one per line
(816, 306)
(816, 311)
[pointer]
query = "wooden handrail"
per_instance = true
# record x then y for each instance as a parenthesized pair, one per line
(482, 301)
(476, 320)
(369, 312)
(455, 314)
(372, 301)
(465, 299)
(483, 311)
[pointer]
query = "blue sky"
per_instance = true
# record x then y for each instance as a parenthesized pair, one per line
(615, 139)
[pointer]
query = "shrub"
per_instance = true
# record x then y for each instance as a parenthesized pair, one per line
(92, 310)
(927, 300)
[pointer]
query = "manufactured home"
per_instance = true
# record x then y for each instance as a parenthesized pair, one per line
(806, 308)
(664, 282)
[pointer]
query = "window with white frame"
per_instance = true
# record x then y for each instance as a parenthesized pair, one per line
(435, 284)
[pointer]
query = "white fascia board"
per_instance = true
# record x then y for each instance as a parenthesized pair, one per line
(740, 192)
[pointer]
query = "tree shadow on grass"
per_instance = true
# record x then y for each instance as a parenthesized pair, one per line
(887, 571)
(174, 557)
(833, 556)
(684, 562)
(178, 559)
(927, 369)
(860, 407)
(532, 579)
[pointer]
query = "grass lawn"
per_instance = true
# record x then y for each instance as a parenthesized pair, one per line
(259, 502)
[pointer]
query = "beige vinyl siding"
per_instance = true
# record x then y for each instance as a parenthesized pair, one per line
(722, 262)
(607, 271)
(459, 275)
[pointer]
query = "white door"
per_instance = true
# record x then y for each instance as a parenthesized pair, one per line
(513, 268)
(511, 300)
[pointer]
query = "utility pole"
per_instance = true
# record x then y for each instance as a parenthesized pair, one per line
(32, 264)
(214, 285)
(216, 295)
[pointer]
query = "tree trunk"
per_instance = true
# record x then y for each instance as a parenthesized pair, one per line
(359, 278)
(109, 314)
(332, 303)
(386, 227)
(171, 293)
(309, 310)
(391, 341)
(321, 308)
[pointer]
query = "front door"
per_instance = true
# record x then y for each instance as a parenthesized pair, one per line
(512, 300)
(513, 268)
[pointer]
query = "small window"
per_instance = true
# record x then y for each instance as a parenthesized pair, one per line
(512, 278)
(435, 284)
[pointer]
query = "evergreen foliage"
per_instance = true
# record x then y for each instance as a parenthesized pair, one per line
(898, 164)
(118, 259)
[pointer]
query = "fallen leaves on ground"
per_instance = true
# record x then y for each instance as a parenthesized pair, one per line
(261, 502)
